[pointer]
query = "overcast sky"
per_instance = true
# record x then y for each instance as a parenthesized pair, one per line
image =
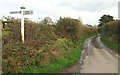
(89, 11)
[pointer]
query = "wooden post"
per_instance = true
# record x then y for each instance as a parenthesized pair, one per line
(1, 26)
(22, 24)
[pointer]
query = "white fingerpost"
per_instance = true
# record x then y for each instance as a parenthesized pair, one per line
(22, 24)
(22, 12)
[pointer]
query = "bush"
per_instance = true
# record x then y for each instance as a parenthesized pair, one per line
(34, 52)
(110, 30)
(73, 28)
(69, 28)
(36, 35)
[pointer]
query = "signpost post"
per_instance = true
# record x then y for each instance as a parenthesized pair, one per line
(22, 24)
(22, 12)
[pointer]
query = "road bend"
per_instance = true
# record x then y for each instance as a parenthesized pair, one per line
(100, 59)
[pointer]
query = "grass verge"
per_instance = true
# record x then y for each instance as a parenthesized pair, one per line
(110, 44)
(65, 62)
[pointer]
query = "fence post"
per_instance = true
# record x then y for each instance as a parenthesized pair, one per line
(1, 27)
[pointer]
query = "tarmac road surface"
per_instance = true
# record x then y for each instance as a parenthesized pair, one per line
(100, 59)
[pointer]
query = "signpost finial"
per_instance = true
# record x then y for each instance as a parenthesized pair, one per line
(22, 7)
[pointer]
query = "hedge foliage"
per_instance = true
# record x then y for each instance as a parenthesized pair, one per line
(73, 28)
(44, 44)
(111, 31)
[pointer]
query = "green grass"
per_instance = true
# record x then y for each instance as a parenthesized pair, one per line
(59, 65)
(5, 33)
(109, 43)
(64, 63)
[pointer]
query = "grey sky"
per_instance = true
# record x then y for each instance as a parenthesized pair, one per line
(88, 10)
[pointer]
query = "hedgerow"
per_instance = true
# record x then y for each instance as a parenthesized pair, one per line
(110, 30)
(44, 44)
